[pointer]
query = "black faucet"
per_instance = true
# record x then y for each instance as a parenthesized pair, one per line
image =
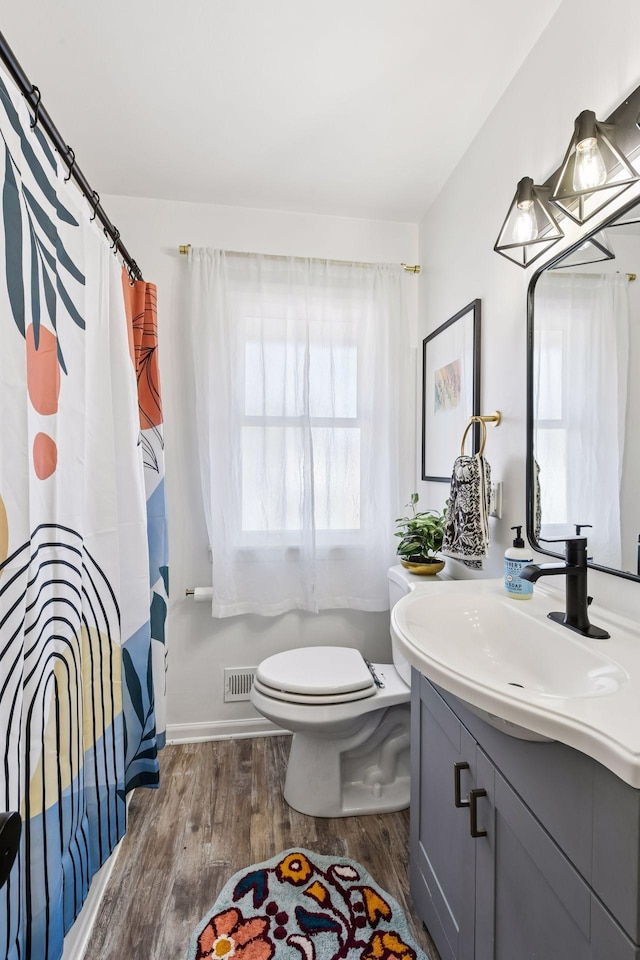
(575, 571)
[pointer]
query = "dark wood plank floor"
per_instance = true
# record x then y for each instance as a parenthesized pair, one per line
(219, 809)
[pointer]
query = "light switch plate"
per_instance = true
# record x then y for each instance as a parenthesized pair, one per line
(495, 501)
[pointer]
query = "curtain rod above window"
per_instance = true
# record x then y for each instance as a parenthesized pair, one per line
(410, 268)
(44, 121)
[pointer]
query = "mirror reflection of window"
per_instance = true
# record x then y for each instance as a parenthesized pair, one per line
(581, 359)
(550, 431)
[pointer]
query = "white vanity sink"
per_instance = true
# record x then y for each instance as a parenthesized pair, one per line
(493, 640)
(524, 673)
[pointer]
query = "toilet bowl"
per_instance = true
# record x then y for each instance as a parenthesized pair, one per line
(350, 747)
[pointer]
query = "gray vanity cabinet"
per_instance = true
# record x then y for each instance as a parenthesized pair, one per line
(510, 891)
(442, 850)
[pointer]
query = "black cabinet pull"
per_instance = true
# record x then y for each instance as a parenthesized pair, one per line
(457, 767)
(473, 812)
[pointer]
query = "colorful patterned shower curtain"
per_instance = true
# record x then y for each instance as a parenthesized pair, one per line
(77, 699)
(142, 317)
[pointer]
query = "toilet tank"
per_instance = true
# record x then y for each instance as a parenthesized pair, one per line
(400, 584)
(400, 581)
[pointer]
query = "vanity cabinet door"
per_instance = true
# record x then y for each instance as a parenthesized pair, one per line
(442, 850)
(589, 812)
(531, 902)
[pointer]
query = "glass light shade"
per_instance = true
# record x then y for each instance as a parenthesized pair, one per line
(593, 250)
(530, 227)
(594, 170)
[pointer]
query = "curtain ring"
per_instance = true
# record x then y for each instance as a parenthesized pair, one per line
(71, 151)
(95, 204)
(36, 106)
(116, 237)
(134, 272)
(473, 420)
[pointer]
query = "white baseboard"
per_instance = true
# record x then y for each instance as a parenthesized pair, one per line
(77, 940)
(222, 730)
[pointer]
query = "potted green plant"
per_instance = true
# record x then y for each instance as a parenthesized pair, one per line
(421, 537)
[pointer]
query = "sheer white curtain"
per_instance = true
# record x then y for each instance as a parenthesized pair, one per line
(303, 382)
(581, 368)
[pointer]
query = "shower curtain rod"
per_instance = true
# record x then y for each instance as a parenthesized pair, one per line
(409, 267)
(42, 119)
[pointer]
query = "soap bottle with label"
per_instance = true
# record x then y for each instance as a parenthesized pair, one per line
(515, 558)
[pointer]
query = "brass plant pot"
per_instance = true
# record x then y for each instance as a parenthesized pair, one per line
(424, 568)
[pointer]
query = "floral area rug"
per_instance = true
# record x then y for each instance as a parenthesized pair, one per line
(304, 906)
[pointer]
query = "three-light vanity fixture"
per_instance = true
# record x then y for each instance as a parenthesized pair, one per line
(595, 170)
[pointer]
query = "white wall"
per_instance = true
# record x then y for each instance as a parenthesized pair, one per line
(200, 647)
(589, 57)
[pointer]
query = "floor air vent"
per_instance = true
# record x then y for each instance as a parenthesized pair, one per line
(238, 682)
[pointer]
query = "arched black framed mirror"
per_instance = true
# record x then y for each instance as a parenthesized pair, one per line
(583, 396)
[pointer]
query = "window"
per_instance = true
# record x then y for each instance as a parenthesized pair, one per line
(305, 405)
(300, 388)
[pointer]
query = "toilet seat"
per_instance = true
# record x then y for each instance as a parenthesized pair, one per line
(311, 698)
(315, 675)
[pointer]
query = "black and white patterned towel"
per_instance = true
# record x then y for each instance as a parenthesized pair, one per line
(537, 500)
(466, 533)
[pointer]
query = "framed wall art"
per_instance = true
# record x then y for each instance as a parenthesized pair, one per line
(450, 390)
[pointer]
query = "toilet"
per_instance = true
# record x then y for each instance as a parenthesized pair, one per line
(350, 746)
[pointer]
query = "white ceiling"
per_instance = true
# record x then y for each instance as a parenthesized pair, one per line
(348, 107)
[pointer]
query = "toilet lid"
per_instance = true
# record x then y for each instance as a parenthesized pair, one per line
(317, 671)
